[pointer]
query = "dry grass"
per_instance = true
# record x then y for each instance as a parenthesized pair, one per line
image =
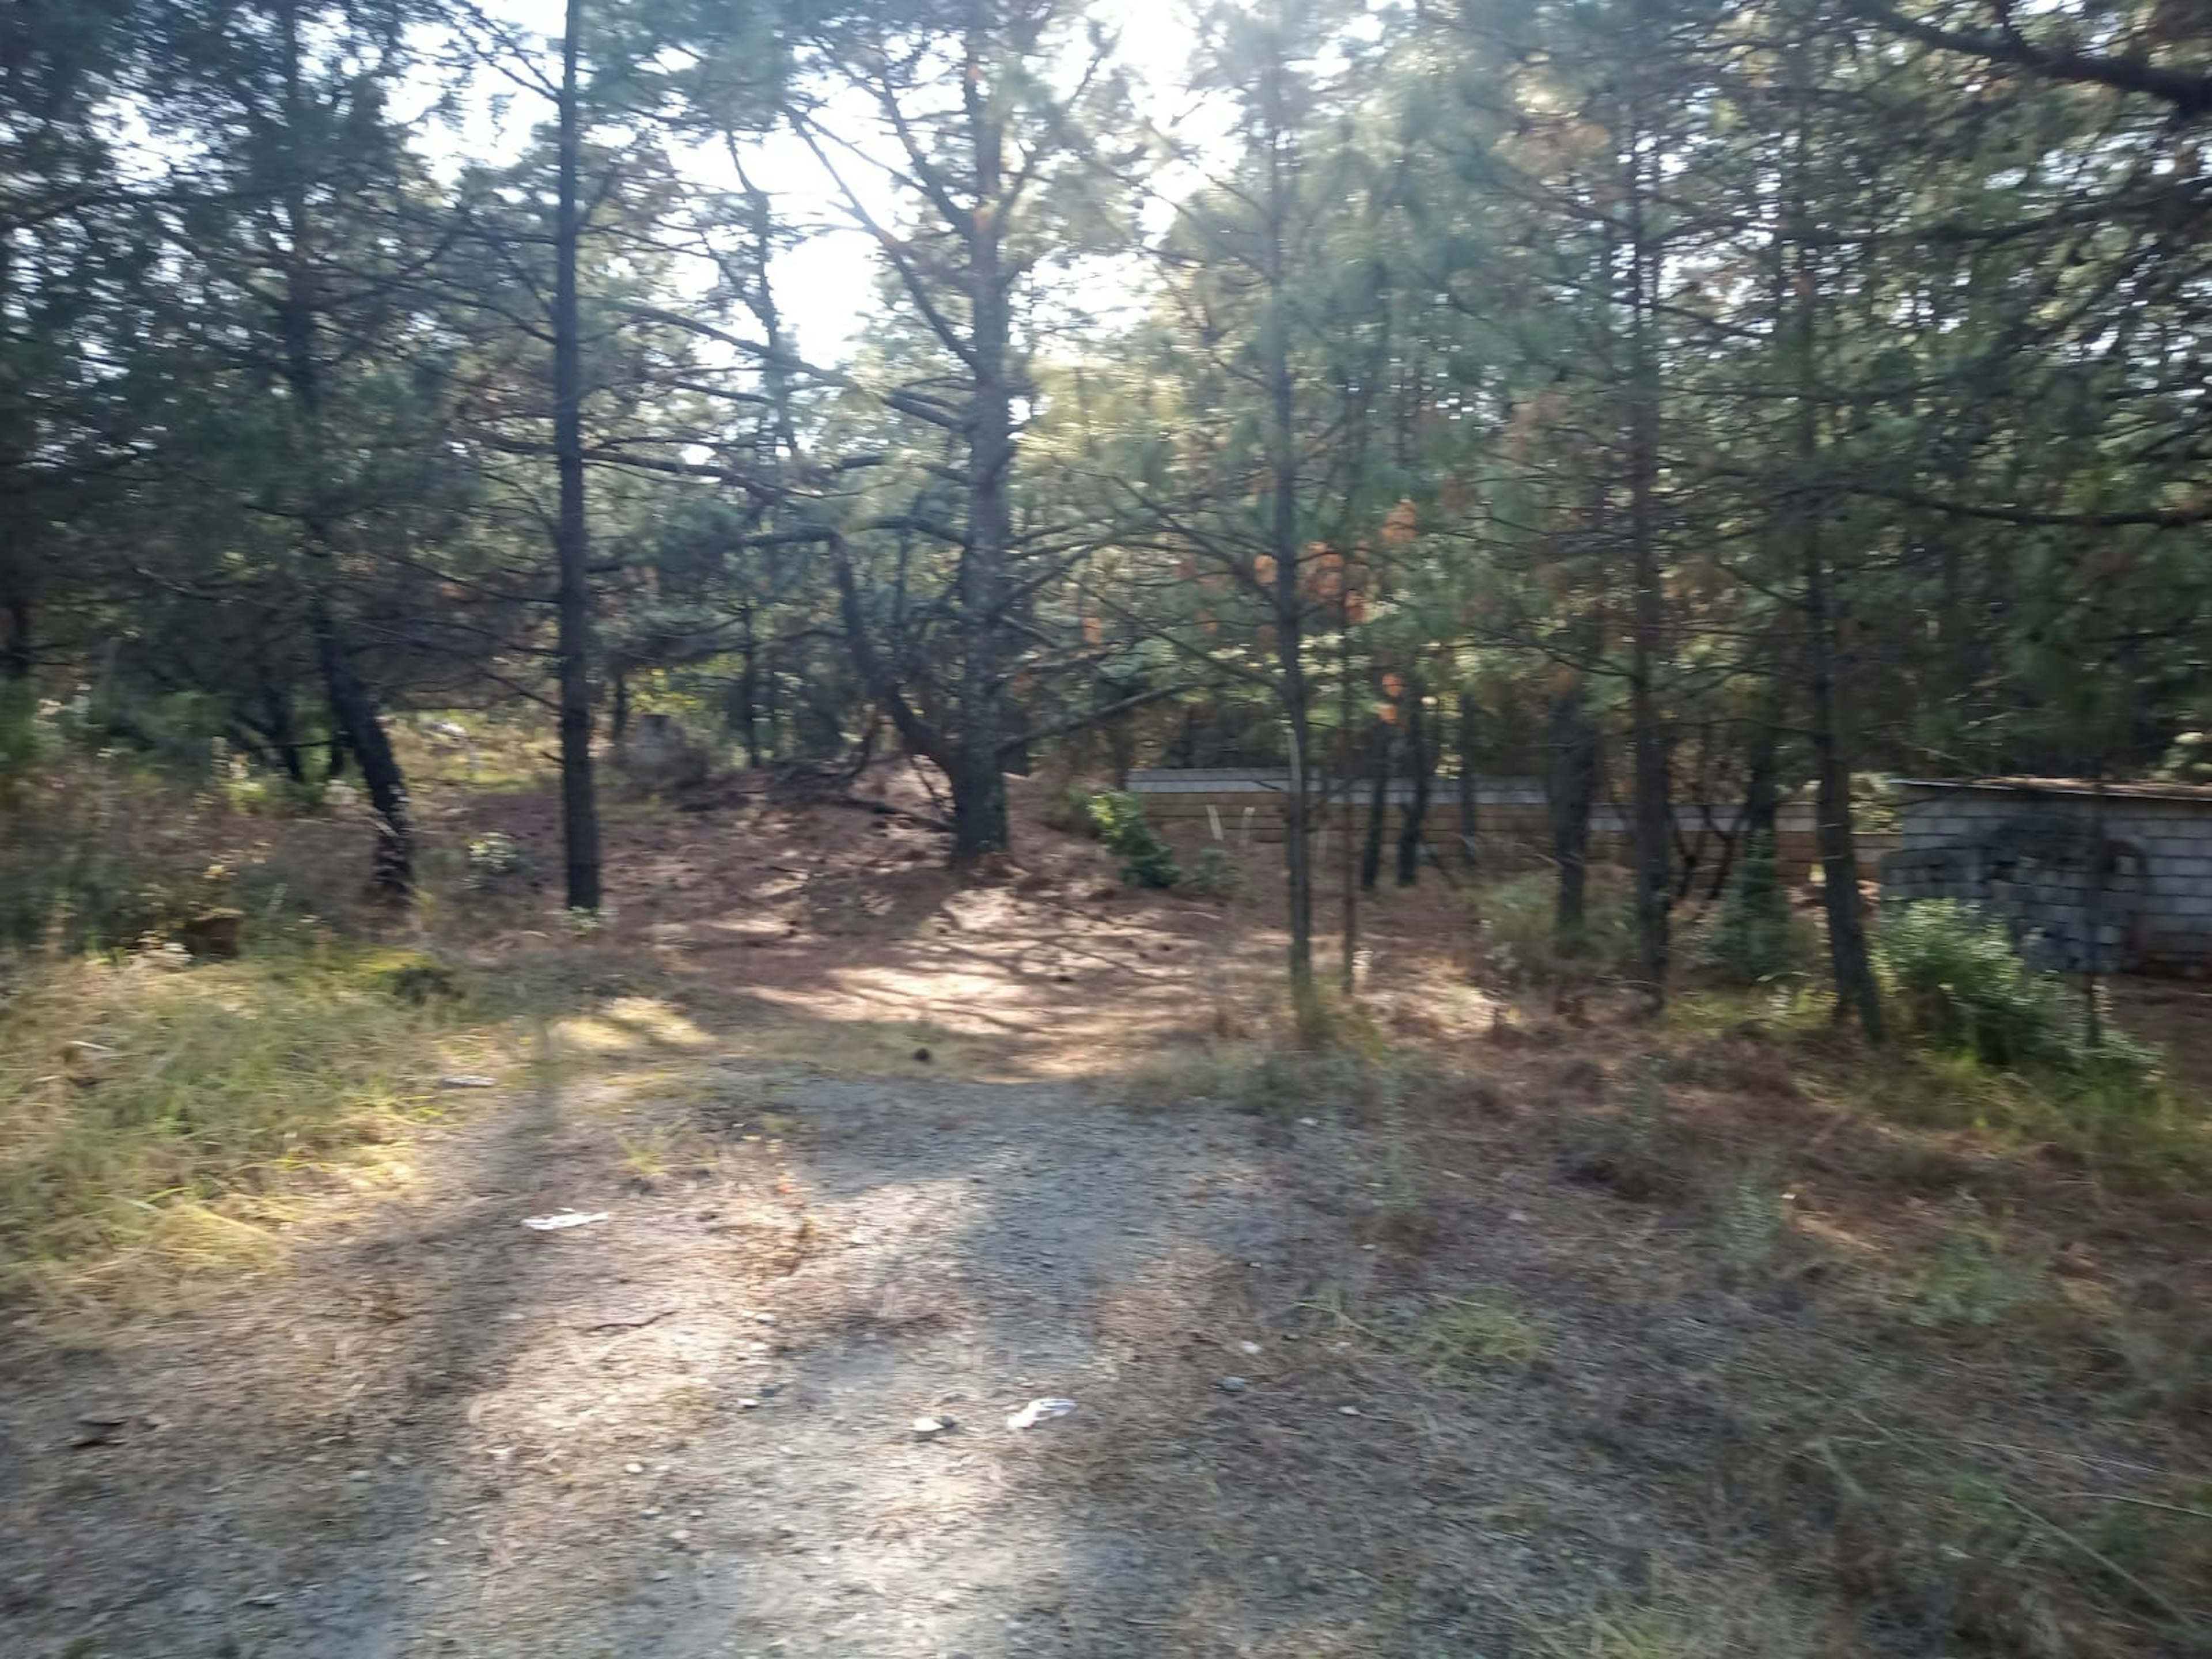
(150, 1106)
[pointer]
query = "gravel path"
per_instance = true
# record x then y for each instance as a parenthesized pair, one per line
(685, 1430)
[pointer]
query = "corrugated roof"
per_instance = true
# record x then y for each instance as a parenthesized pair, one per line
(2195, 792)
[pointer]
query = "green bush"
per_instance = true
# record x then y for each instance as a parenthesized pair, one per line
(1755, 941)
(493, 858)
(1518, 937)
(1958, 983)
(1117, 819)
(1215, 874)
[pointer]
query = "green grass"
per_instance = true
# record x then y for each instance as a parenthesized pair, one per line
(1471, 1334)
(2135, 1131)
(170, 1107)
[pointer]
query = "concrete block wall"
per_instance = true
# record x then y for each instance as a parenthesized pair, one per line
(1513, 819)
(2023, 854)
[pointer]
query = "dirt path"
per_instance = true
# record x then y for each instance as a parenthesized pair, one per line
(688, 1429)
(1342, 1389)
(1494, 1349)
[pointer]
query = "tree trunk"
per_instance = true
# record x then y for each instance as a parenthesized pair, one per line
(619, 712)
(1849, 960)
(355, 714)
(1470, 824)
(276, 722)
(580, 819)
(1378, 808)
(979, 782)
(1572, 788)
(1762, 803)
(1423, 755)
(748, 692)
(15, 650)
(1289, 602)
(1348, 865)
(1654, 825)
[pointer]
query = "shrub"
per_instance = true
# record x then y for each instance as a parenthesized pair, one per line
(1958, 983)
(1517, 936)
(1117, 819)
(2008, 1051)
(1215, 874)
(492, 858)
(1755, 941)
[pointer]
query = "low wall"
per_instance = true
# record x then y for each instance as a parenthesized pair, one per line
(2033, 859)
(1512, 819)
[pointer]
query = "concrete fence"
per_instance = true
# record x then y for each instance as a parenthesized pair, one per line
(2058, 861)
(1513, 820)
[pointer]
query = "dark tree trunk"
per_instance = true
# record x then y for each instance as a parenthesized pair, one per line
(1422, 753)
(1470, 810)
(748, 691)
(15, 647)
(1762, 805)
(1120, 750)
(278, 723)
(618, 714)
(1348, 865)
(355, 715)
(1571, 789)
(580, 819)
(1378, 809)
(1848, 956)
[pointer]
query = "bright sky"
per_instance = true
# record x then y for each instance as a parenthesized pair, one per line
(826, 286)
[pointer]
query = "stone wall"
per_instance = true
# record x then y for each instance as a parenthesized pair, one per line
(2034, 858)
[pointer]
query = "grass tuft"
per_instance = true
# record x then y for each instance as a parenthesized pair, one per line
(1471, 1334)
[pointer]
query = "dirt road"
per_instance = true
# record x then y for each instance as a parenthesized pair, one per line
(689, 1429)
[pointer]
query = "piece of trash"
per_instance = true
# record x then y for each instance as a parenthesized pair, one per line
(748, 1404)
(1039, 1411)
(633, 1468)
(467, 1080)
(1309, 1123)
(1347, 1411)
(554, 1223)
(1248, 1347)
(928, 1428)
(1234, 1385)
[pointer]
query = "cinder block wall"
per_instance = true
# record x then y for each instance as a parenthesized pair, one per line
(2156, 911)
(1513, 820)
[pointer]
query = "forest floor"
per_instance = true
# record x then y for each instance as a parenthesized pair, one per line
(1515, 1329)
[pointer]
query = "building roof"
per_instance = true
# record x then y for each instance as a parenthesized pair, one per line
(2116, 790)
